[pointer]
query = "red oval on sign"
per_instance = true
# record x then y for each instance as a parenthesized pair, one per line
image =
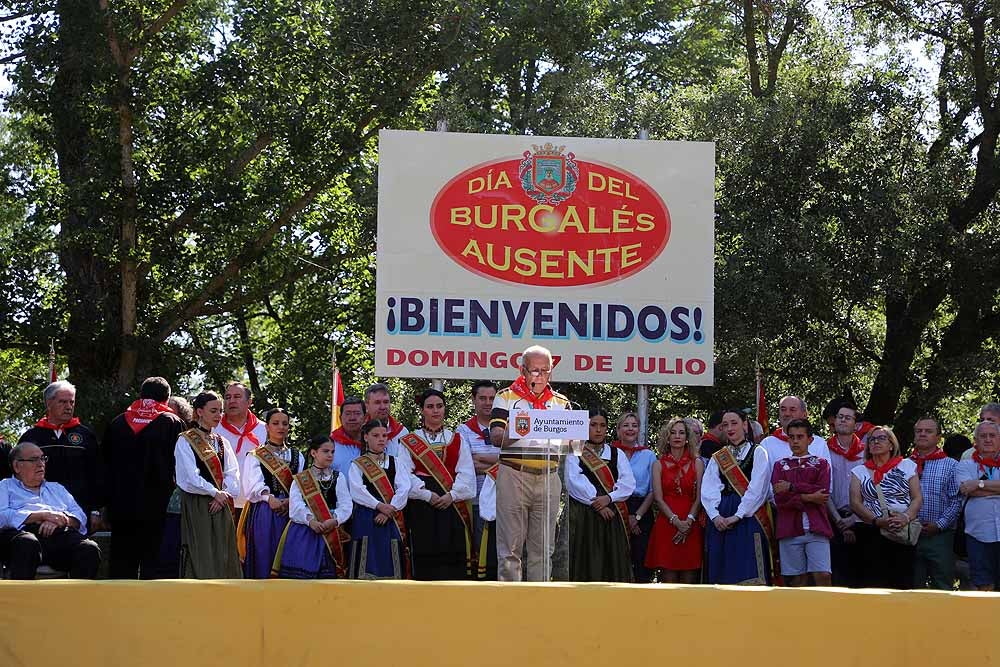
(549, 219)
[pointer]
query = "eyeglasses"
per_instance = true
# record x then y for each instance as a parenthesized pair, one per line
(35, 460)
(539, 371)
(878, 438)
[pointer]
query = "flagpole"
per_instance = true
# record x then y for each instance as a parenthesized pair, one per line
(335, 392)
(52, 360)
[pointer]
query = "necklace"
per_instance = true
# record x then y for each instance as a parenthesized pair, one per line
(324, 477)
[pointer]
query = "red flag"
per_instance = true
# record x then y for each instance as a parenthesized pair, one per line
(52, 361)
(337, 398)
(761, 408)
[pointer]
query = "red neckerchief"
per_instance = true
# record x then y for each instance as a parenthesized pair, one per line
(921, 460)
(710, 436)
(982, 461)
(852, 453)
(780, 435)
(881, 470)
(142, 412)
(340, 437)
(45, 423)
(247, 432)
(628, 449)
(521, 388)
(863, 429)
(473, 425)
(395, 428)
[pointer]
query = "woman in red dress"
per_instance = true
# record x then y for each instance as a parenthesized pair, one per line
(675, 547)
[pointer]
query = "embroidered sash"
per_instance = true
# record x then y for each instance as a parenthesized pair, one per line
(730, 467)
(278, 468)
(314, 498)
(202, 447)
(376, 476)
(436, 468)
(602, 472)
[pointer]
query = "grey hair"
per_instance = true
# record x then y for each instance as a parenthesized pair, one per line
(802, 404)
(995, 426)
(378, 388)
(59, 385)
(990, 407)
(536, 351)
(17, 449)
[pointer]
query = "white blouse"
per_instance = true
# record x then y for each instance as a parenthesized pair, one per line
(252, 477)
(488, 500)
(760, 484)
(580, 488)
(400, 485)
(190, 480)
(464, 487)
(299, 512)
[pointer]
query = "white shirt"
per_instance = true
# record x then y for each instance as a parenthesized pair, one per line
(488, 500)
(392, 446)
(400, 486)
(252, 477)
(580, 488)
(299, 512)
(464, 487)
(260, 432)
(778, 449)
(478, 445)
(760, 484)
(190, 480)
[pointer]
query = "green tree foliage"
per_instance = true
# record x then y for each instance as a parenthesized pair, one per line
(193, 183)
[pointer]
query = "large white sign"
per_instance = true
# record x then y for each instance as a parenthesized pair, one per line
(599, 249)
(549, 424)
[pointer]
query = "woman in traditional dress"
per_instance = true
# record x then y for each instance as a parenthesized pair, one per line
(640, 503)
(675, 547)
(267, 482)
(598, 482)
(208, 477)
(379, 486)
(443, 481)
(320, 504)
(734, 489)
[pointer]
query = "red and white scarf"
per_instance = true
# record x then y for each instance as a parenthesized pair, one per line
(45, 423)
(142, 412)
(247, 432)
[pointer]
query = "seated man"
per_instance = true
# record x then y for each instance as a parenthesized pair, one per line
(40, 522)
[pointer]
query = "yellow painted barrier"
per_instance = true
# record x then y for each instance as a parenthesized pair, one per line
(395, 624)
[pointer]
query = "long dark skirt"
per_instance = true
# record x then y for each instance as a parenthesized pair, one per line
(375, 552)
(888, 564)
(439, 542)
(487, 568)
(739, 555)
(208, 541)
(305, 555)
(640, 573)
(598, 548)
(263, 532)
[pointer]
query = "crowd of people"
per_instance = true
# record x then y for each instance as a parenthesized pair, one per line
(208, 490)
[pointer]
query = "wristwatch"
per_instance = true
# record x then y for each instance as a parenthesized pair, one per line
(638, 518)
(982, 484)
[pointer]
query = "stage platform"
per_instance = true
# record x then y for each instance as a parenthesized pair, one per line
(392, 624)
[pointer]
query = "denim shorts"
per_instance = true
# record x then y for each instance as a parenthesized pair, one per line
(804, 553)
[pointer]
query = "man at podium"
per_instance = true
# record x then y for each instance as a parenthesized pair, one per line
(527, 484)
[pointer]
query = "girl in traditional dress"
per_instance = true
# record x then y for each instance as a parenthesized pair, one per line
(208, 477)
(439, 514)
(267, 481)
(379, 485)
(313, 546)
(598, 482)
(640, 504)
(675, 547)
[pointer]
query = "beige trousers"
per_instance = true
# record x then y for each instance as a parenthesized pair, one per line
(527, 509)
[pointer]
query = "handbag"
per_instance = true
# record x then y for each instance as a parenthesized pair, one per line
(908, 534)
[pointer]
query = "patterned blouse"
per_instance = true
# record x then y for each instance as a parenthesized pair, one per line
(895, 487)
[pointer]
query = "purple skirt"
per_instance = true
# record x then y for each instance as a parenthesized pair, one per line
(305, 555)
(263, 532)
